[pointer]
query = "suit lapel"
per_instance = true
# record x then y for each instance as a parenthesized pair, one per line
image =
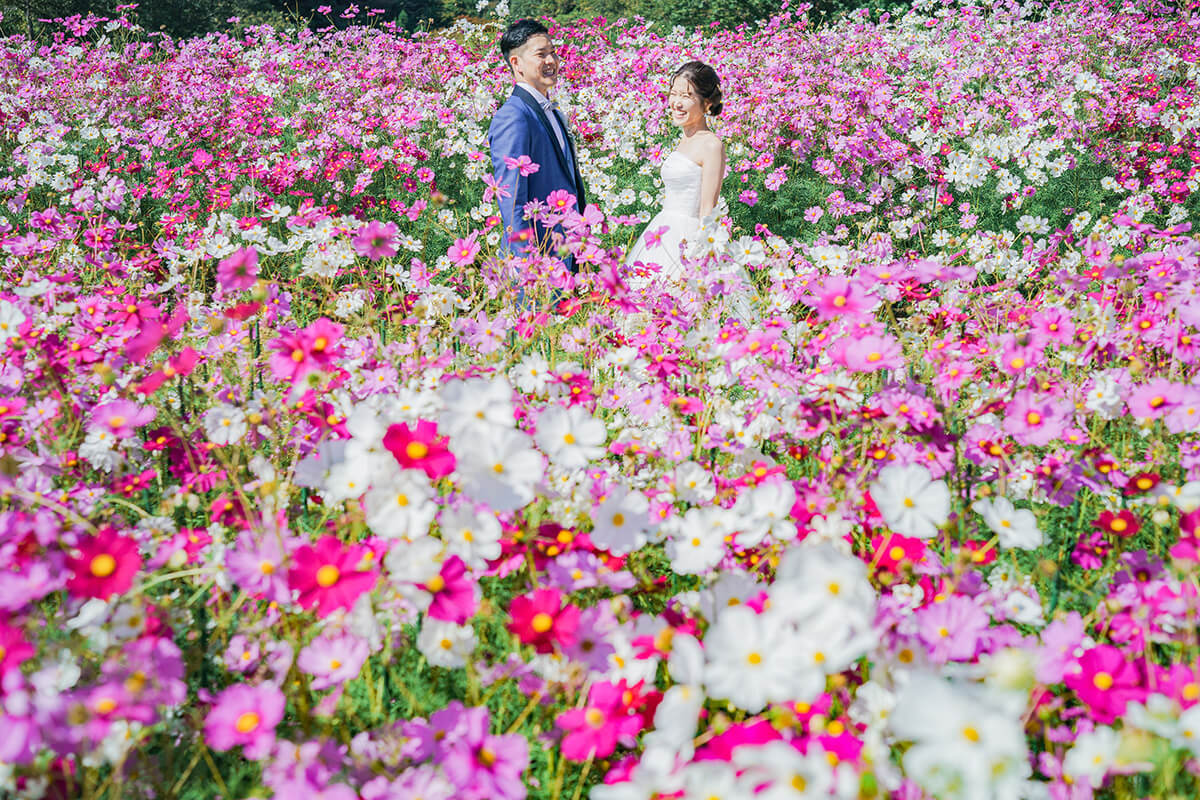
(541, 115)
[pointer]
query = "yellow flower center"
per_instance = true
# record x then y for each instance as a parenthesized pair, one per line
(103, 565)
(754, 658)
(437, 584)
(1102, 681)
(416, 450)
(328, 575)
(542, 622)
(247, 722)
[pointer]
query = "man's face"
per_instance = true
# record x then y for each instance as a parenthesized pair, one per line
(536, 63)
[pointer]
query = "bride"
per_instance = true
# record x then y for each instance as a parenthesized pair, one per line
(692, 175)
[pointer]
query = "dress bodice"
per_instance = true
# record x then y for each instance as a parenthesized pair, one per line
(681, 179)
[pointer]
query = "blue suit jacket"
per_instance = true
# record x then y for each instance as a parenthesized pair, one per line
(521, 128)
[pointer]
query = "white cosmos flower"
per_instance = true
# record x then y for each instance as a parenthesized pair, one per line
(224, 424)
(1189, 730)
(696, 540)
(619, 525)
(748, 252)
(473, 537)
(765, 509)
(445, 644)
(1091, 755)
(499, 466)
(11, 318)
(968, 740)
(401, 507)
(752, 660)
(789, 775)
(367, 428)
(818, 580)
(570, 436)
(346, 480)
(476, 403)
(911, 502)
(1015, 527)
(693, 483)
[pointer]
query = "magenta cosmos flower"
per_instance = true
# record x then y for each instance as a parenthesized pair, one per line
(238, 271)
(595, 730)
(309, 350)
(327, 576)
(838, 296)
(245, 715)
(454, 596)
(1106, 681)
(420, 448)
(104, 565)
(540, 619)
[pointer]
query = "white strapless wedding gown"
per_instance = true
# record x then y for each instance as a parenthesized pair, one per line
(680, 215)
(679, 222)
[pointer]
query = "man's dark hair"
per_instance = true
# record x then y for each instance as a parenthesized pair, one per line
(518, 34)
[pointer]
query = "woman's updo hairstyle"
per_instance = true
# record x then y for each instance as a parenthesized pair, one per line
(705, 81)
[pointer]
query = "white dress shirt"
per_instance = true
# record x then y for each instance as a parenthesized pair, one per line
(548, 106)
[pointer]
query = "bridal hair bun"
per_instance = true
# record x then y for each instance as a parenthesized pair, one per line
(706, 83)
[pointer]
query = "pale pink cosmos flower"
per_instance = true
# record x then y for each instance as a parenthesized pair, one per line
(873, 353)
(523, 164)
(245, 715)
(376, 240)
(1035, 421)
(121, 417)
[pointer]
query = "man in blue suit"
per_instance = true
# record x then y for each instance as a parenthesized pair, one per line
(528, 124)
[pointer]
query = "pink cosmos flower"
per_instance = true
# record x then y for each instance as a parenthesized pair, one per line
(332, 659)
(494, 189)
(813, 213)
(455, 598)
(464, 251)
(238, 271)
(14, 650)
(121, 417)
(539, 619)
(952, 629)
(595, 730)
(560, 201)
(872, 353)
(420, 448)
(327, 575)
(1105, 681)
(653, 238)
(1059, 640)
(308, 350)
(104, 565)
(376, 240)
(1154, 399)
(1034, 421)
(245, 715)
(839, 296)
(523, 164)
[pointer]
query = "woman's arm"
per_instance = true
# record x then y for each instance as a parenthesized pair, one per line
(713, 165)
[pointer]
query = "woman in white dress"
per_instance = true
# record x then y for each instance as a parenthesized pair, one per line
(692, 174)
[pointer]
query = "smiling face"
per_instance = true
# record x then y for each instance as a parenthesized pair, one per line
(536, 63)
(685, 106)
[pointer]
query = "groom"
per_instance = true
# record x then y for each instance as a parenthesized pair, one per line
(530, 125)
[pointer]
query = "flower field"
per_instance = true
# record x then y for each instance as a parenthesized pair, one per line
(298, 500)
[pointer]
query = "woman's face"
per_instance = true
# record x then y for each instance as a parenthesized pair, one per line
(685, 106)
